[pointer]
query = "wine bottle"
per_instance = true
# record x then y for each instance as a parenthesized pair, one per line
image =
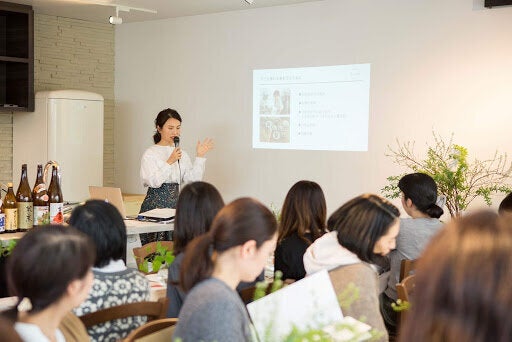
(2, 219)
(40, 197)
(10, 210)
(24, 202)
(55, 198)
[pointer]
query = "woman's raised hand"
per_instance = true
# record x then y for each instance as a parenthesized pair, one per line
(203, 147)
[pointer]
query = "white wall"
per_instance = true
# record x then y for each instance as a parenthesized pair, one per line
(435, 65)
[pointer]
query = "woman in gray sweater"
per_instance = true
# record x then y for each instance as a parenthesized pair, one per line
(242, 237)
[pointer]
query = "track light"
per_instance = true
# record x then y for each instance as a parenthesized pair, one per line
(249, 1)
(115, 20)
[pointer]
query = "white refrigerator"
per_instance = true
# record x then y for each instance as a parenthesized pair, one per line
(66, 127)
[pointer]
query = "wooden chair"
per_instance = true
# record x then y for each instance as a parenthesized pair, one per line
(404, 290)
(141, 253)
(406, 267)
(153, 310)
(159, 329)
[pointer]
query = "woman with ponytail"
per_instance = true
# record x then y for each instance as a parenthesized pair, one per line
(197, 206)
(419, 197)
(242, 236)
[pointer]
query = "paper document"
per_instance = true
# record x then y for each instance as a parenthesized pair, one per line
(309, 303)
(158, 214)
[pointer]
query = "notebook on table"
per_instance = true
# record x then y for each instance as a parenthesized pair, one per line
(111, 195)
(158, 215)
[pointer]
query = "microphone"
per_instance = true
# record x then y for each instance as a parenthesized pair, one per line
(176, 145)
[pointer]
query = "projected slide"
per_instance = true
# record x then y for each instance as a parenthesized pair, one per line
(317, 108)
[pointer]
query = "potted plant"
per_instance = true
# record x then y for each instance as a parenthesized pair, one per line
(5, 251)
(162, 256)
(458, 180)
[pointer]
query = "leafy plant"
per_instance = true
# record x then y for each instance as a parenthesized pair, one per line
(161, 257)
(262, 286)
(6, 249)
(348, 296)
(400, 305)
(276, 211)
(458, 180)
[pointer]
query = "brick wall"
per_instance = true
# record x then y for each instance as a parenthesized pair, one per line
(70, 54)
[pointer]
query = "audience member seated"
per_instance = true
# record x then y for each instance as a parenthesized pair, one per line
(242, 236)
(419, 196)
(114, 283)
(197, 205)
(302, 221)
(462, 290)
(505, 208)
(362, 232)
(49, 271)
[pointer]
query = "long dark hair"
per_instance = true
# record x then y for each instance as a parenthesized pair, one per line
(161, 119)
(462, 290)
(303, 209)
(421, 189)
(103, 223)
(45, 261)
(197, 205)
(506, 204)
(240, 221)
(361, 222)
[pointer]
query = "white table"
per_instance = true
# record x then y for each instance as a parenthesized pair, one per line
(139, 227)
(133, 229)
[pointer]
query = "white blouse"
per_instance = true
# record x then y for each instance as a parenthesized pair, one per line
(154, 169)
(32, 333)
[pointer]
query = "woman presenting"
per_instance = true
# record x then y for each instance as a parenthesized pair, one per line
(165, 166)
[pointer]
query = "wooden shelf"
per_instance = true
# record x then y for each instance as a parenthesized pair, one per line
(16, 57)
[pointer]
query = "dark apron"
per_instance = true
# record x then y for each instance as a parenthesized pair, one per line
(165, 196)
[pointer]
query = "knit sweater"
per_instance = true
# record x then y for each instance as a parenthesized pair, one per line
(410, 242)
(112, 289)
(345, 268)
(213, 312)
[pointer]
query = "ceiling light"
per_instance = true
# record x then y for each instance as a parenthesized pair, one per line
(249, 1)
(115, 20)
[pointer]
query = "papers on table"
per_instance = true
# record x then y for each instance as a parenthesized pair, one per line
(308, 304)
(158, 215)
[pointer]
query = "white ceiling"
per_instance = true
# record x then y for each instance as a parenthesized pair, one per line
(93, 10)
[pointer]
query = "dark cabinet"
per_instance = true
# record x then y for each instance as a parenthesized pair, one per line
(16, 57)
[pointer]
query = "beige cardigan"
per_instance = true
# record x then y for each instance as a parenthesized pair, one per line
(366, 307)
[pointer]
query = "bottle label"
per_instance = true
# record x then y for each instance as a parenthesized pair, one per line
(11, 220)
(39, 187)
(25, 215)
(56, 213)
(41, 215)
(2, 222)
